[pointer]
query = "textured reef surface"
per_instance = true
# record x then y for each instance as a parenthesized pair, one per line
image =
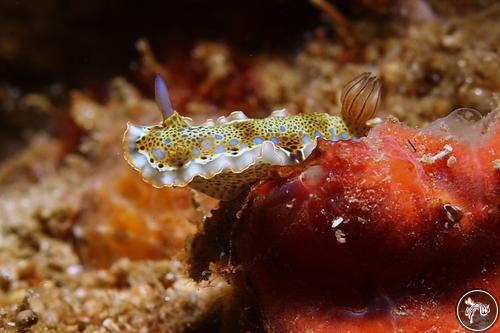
(366, 236)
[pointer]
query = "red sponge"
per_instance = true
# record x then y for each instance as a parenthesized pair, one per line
(402, 219)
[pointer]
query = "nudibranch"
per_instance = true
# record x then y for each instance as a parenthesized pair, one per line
(223, 157)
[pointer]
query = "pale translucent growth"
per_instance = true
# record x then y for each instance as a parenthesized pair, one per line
(312, 176)
(464, 125)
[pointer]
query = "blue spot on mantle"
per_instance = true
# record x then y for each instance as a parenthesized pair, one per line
(159, 154)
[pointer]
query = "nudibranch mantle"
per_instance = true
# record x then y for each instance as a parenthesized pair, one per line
(222, 157)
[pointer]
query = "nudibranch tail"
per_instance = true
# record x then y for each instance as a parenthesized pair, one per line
(162, 98)
(223, 157)
(360, 100)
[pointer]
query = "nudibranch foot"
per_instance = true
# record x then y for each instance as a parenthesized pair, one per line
(227, 185)
(222, 157)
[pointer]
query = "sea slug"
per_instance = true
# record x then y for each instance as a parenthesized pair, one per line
(223, 157)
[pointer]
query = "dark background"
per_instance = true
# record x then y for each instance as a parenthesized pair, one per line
(81, 41)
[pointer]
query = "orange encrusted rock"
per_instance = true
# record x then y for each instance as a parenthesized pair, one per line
(124, 217)
(372, 235)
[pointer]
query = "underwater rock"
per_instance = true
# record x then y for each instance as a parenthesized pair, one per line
(402, 219)
(122, 217)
